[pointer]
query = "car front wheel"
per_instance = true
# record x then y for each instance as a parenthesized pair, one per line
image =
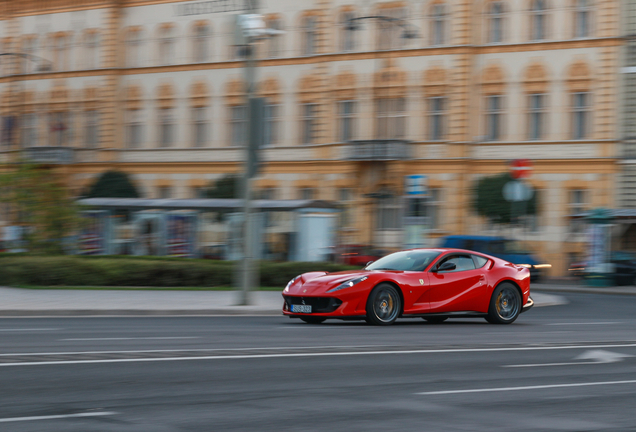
(505, 304)
(383, 305)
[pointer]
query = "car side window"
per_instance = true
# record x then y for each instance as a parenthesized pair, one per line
(462, 263)
(480, 261)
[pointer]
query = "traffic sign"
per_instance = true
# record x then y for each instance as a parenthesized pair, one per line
(520, 168)
(416, 185)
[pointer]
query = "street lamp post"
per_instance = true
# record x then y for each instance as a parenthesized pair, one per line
(250, 28)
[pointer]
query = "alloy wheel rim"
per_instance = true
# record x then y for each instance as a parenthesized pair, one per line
(507, 304)
(385, 305)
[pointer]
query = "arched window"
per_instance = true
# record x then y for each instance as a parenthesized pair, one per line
(347, 33)
(538, 18)
(134, 45)
(167, 46)
(91, 50)
(390, 34)
(495, 22)
(275, 42)
(582, 18)
(438, 24)
(61, 48)
(201, 51)
(310, 33)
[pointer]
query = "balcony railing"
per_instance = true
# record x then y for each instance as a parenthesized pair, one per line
(49, 155)
(378, 150)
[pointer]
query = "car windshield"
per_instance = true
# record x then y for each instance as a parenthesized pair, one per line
(416, 260)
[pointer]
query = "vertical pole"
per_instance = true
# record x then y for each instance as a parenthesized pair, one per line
(247, 268)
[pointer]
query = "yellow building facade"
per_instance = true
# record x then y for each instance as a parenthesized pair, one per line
(155, 89)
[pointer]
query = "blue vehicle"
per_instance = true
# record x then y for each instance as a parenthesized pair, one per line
(500, 247)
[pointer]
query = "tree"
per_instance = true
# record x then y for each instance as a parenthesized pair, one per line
(489, 201)
(228, 186)
(42, 205)
(113, 184)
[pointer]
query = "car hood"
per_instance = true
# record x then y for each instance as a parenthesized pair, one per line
(318, 282)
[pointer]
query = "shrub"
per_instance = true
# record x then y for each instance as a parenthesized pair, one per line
(141, 271)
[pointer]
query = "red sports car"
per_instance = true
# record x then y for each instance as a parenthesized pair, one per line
(434, 284)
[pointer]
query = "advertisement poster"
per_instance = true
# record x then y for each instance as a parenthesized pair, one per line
(92, 238)
(181, 235)
(149, 233)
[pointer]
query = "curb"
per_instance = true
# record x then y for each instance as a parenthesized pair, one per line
(136, 312)
(606, 291)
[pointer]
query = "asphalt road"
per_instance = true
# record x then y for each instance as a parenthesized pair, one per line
(559, 368)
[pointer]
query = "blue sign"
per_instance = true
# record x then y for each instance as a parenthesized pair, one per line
(416, 185)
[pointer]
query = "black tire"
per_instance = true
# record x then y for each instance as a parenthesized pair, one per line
(383, 305)
(435, 320)
(505, 304)
(313, 320)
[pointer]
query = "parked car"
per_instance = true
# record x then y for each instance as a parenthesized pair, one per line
(358, 255)
(500, 247)
(623, 265)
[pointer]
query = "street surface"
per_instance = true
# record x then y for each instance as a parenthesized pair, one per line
(569, 367)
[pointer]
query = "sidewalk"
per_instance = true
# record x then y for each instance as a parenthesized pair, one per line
(50, 302)
(579, 287)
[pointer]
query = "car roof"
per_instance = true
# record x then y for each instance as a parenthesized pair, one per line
(444, 250)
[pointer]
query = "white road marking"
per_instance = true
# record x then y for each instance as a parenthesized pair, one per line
(61, 416)
(29, 329)
(585, 323)
(131, 338)
(307, 354)
(536, 387)
(596, 357)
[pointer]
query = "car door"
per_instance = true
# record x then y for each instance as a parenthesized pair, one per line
(456, 290)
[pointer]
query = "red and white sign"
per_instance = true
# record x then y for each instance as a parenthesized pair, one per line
(520, 168)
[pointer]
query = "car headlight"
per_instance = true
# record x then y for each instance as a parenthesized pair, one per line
(348, 284)
(290, 283)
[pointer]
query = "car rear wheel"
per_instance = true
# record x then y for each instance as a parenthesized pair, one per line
(383, 305)
(505, 304)
(313, 320)
(435, 320)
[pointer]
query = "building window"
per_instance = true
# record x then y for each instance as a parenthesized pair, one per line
(166, 47)
(390, 35)
(29, 130)
(345, 196)
(133, 48)
(134, 129)
(271, 117)
(91, 56)
(59, 129)
(310, 36)
(347, 38)
(201, 43)
(494, 113)
(434, 206)
(309, 123)
(29, 48)
(92, 129)
(238, 119)
(438, 25)
(62, 52)
(580, 115)
(536, 116)
(166, 127)
(437, 108)
(391, 118)
(495, 19)
(199, 126)
(389, 213)
(307, 193)
(577, 204)
(582, 14)
(346, 120)
(274, 42)
(538, 18)
(164, 192)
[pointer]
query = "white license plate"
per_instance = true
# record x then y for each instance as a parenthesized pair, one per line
(301, 308)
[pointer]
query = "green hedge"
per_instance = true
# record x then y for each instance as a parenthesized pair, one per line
(133, 271)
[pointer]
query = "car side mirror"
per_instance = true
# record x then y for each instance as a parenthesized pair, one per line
(369, 263)
(447, 266)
